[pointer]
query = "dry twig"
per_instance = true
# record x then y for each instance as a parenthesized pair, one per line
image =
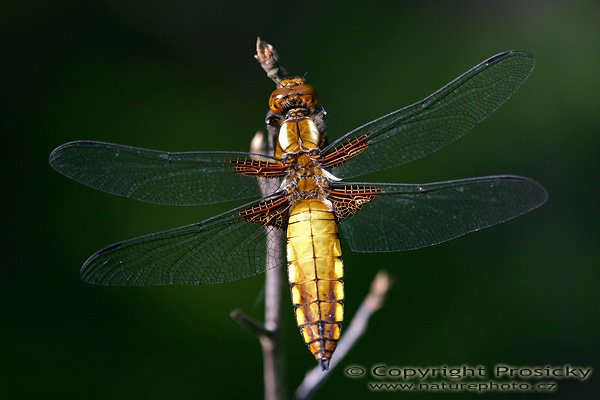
(356, 329)
(268, 59)
(269, 333)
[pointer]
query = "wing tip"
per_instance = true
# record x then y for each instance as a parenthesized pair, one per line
(511, 53)
(88, 269)
(541, 190)
(58, 152)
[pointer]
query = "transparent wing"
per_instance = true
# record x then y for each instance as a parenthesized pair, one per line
(158, 177)
(444, 116)
(406, 217)
(223, 248)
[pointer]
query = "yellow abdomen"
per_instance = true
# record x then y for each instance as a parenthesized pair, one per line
(316, 273)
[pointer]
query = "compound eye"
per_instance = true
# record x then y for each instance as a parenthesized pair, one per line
(308, 94)
(277, 99)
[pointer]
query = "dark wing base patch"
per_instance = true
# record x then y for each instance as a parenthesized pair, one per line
(347, 200)
(272, 212)
(267, 169)
(345, 152)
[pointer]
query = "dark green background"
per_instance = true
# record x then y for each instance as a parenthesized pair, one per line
(181, 77)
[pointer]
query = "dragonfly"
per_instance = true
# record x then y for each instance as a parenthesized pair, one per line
(313, 199)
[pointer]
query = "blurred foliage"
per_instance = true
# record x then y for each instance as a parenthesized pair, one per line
(180, 76)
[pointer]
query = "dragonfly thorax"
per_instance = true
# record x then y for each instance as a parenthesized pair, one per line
(296, 136)
(306, 178)
(306, 182)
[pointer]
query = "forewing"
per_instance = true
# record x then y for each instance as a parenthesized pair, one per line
(406, 217)
(220, 249)
(439, 119)
(159, 177)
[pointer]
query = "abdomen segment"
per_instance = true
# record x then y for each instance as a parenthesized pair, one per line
(315, 273)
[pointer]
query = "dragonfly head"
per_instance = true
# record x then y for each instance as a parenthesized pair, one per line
(293, 93)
